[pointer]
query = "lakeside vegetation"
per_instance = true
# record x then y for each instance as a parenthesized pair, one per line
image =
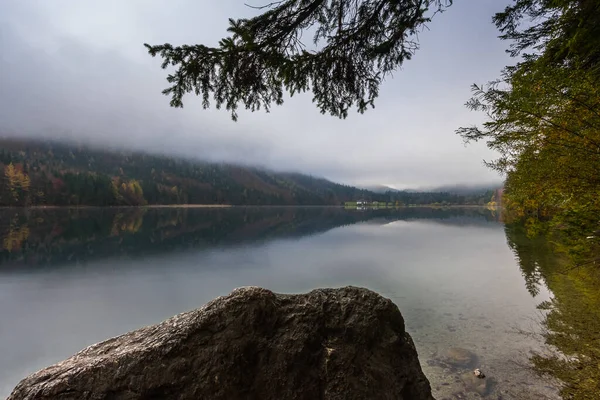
(544, 111)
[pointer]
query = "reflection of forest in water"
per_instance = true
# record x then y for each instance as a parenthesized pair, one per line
(565, 262)
(33, 238)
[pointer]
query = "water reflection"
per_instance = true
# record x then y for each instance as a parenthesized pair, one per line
(46, 237)
(69, 278)
(563, 261)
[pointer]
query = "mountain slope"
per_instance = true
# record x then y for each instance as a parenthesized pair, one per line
(49, 173)
(466, 188)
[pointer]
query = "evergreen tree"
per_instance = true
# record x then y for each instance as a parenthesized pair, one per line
(355, 45)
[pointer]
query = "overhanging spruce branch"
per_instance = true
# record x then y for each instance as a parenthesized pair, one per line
(355, 45)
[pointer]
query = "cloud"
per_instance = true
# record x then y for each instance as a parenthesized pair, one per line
(79, 70)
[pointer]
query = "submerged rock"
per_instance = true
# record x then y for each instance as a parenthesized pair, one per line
(346, 343)
(474, 383)
(459, 357)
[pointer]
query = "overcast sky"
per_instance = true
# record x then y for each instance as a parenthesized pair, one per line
(78, 69)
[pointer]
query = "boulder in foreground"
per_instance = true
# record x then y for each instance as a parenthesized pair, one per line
(346, 343)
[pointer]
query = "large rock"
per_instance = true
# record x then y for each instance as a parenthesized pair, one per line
(347, 343)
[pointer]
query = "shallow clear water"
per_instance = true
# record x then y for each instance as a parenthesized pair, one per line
(69, 279)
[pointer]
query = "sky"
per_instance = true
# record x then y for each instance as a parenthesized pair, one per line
(78, 70)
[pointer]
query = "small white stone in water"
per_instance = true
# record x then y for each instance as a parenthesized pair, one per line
(478, 373)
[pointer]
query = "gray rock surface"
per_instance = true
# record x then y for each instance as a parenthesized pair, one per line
(346, 343)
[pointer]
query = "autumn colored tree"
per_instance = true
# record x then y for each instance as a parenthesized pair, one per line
(17, 181)
(128, 192)
(13, 240)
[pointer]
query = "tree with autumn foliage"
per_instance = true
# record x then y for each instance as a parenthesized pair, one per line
(17, 184)
(128, 192)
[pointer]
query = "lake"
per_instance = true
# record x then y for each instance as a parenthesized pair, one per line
(71, 278)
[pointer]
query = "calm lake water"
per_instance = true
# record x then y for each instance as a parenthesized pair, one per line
(71, 278)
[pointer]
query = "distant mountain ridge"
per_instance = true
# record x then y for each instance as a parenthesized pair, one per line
(379, 189)
(466, 188)
(461, 189)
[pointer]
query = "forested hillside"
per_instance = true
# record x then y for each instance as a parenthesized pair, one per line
(38, 173)
(44, 173)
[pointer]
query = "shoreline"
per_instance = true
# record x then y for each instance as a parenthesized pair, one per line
(187, 206)
(114, 207)
(56, 207)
